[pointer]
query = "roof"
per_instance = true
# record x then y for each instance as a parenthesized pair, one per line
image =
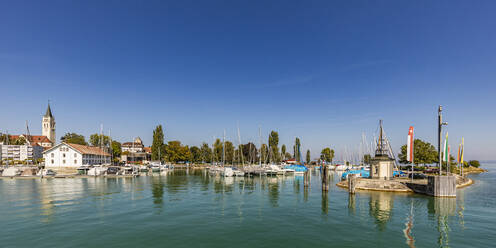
(33, 138)
(131, 144)
(148, 149)
(88, 149)
(48, 111)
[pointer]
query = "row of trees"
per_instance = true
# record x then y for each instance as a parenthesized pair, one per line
(425, 153)
(224, 151)
(221, 151)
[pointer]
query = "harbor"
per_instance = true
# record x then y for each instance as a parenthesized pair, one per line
(186, 208)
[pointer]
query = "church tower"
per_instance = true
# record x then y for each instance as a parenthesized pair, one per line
(48, 125)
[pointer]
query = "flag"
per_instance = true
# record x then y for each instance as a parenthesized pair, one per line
(446, 152)
(461, 154)
(409, 145)
(448, 157)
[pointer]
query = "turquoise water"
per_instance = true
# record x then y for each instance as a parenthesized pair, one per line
(195, 210)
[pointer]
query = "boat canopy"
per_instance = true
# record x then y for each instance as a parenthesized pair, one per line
(296, 167)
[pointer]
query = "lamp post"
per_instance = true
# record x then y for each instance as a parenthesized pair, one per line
(440, 131)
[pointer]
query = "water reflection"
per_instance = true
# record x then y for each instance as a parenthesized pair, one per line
(352, 203)
(157, 191)
(325, 203)
(380, 207)
(410, 240)
(273, 191)
(239, 197)
(442, 208)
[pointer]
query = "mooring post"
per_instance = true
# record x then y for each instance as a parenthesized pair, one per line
(352, 183)
(306, 179)
(325, 178)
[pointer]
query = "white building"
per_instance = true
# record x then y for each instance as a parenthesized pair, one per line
(11, 153)
(74, 155)
(133, 147)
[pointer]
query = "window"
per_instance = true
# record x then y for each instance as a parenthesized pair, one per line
(63, 161)
(75, 154)
(52, 159)
(52, 156)
(63, 155)
(75, 161)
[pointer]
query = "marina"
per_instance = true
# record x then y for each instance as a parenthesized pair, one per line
(183, 208)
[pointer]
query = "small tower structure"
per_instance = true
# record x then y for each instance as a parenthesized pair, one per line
(48, 125)
(381, 166)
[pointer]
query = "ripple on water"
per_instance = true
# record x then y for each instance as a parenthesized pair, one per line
(185, 210)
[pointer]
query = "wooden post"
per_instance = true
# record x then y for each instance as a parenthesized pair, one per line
(325, 178)
(306, 179)
(352, 183)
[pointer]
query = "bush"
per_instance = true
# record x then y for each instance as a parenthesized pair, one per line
(474, 163)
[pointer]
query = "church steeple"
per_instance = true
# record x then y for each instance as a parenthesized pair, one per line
(48, 124)
(48, 111)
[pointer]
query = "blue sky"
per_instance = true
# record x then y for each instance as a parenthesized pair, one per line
(325, 71)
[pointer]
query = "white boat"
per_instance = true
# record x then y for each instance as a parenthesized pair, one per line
(239, 173)
(46, 172)
(227, 172)
(97, 171)
(11, 172)
(274, 170)
(340, 167)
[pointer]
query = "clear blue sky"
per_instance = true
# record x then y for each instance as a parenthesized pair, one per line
(324, 71)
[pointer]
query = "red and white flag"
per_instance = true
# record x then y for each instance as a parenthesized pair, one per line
(409, 145)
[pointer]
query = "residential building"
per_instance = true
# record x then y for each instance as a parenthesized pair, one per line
(16, 153)
(75, 155)
(135, 152)
(133, 147)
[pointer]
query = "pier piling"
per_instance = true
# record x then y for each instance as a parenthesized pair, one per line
(325, 178)
(306, 179)
(352, 183)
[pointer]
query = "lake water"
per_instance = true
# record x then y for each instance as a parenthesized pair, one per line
(192, 209)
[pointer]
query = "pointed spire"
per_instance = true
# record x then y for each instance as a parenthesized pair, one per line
(48, 111)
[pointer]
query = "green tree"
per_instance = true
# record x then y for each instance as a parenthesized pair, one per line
(423, 153)
(95, 140)
(218, 148)
(177, 152)
(274, 146)
(195, 154)
(327, 154)
(229, 152)
(308, 157)
(283, 152)
(366, 158)
(249, 151)
(205, 153)
(116, 150)
(474, 163)
(264, 152)
(158, 143)
(288, 155)
(74, 138)
(19, 141)
(296, 149)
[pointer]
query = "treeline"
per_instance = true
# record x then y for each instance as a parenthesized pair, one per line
(218, 152)
(425, 153)
(224, 151)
